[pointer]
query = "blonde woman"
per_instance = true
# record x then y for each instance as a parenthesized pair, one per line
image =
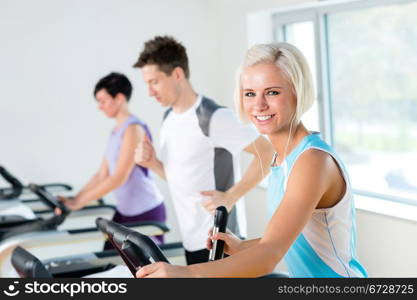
(312, 225)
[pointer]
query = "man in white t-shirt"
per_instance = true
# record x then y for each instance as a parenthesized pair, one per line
(199, 146)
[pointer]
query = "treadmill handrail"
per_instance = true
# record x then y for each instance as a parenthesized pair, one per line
(40, 224)
(85, 208)
(164, 227)
(35, 225)
(146, 243)
(122, 233)
(27, 265)
(65, 186)
(48, 198)
(16, 188)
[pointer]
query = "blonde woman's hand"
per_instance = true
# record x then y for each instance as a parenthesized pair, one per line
(232, 244)
(163, 270)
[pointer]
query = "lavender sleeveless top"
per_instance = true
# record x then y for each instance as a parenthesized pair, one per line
(139, 193)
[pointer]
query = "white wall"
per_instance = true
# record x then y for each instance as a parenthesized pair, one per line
(233, 37)
(387, 245)
(51, 55)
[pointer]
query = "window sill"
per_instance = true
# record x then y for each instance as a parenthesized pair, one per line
(378, 206)
(387, 208)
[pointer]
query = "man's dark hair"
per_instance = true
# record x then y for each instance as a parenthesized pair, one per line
(166, 53)
(115, 83)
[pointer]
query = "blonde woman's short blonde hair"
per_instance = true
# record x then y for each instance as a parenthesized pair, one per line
(292, 64)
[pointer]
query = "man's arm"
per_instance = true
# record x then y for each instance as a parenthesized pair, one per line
(145, 156)
(259, 167)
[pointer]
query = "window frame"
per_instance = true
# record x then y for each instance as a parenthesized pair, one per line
(317, 13)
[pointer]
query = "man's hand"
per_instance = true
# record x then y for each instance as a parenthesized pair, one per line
(145, 155)
(215, 199)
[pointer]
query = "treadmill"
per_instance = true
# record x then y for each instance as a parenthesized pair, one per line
(47, 237)
(12, 225)
(18, 193)
(68, 252)
(9, 199)
(131, 247)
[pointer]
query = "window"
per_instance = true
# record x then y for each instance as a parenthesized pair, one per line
(363, 56)
(301, 34)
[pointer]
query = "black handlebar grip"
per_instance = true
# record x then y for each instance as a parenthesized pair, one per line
(102, 224)
(10, 178)
(48, 198)
(148, 246)
(14, 191)
(220, 223)
(27, 265)
(135, 255)
(144, 246)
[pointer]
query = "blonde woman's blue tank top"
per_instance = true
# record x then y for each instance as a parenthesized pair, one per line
(326, 247)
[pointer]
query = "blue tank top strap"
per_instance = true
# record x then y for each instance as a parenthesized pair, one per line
(314, 141)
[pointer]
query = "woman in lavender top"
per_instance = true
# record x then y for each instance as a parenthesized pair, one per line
(138, 198)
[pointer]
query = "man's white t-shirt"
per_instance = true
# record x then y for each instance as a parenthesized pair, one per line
(191, 164)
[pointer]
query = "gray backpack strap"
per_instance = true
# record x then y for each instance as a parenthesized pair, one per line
(204, 112)
(223, 159)
(166, 113)
(225, 179)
